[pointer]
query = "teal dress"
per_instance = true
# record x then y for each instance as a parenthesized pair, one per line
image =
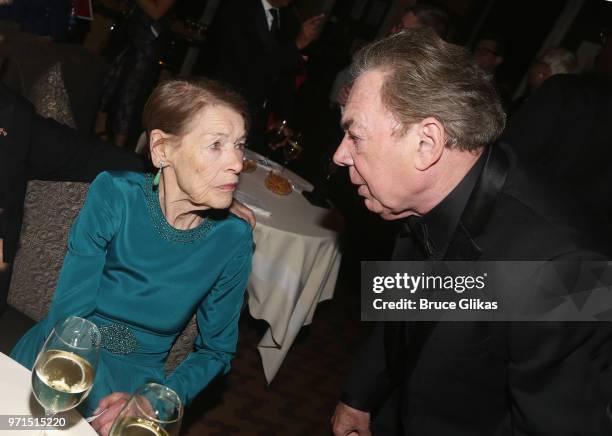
(141, 280)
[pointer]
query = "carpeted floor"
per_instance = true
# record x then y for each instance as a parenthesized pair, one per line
(302, 397)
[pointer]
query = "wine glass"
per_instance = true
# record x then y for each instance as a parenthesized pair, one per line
(154, 410)
(292, 150)
(65, 368)
(276, 136)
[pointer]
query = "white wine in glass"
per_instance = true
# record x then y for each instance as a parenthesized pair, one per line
(65, 368)
(61, 380)
(153, 410)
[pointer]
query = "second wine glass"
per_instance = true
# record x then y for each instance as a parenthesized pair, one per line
(153, 410)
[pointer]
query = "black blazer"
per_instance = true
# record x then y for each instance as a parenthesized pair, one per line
(37, 148)
(495, 378)
(248, 57)
(563, 131)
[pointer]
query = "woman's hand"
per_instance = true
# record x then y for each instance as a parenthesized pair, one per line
(242, 211)
(113, 403)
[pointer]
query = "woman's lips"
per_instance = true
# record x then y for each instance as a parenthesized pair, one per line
(228, 187)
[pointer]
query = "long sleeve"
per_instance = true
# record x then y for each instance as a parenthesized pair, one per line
(217, 318)
(90, 235)
(79, 279)
(368, 382)
(557, 370)
(556, 375)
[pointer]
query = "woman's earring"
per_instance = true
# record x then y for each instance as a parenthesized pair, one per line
(159, 173)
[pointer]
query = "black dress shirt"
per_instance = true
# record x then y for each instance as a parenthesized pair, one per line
(428, 236)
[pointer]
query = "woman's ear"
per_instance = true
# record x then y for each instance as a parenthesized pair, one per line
(158, 144)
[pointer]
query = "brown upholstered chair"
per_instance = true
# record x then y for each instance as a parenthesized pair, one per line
(49, 211)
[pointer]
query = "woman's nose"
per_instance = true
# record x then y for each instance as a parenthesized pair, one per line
(235, 163)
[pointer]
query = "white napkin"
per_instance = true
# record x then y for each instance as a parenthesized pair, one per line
(262, 161)
(255, 204)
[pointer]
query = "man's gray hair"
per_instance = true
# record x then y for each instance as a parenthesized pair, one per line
(427, 77)
(559, 60)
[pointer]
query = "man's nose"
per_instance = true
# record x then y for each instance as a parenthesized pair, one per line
(342, 156)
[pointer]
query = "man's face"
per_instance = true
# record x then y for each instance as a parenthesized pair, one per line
(537, 74)
(486, 55)
(379, 157)
(410, 20)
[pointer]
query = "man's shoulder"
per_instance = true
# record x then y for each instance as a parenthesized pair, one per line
(534, 220)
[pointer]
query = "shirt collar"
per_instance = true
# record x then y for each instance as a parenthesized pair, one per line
(267, 6)
(443, 219)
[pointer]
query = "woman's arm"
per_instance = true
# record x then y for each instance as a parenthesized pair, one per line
(217, 319)
(90, 235)
(155, 9)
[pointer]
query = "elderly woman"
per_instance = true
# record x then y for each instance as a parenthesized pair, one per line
(148, 252)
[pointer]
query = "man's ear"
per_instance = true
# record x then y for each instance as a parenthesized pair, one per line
(159, 143)
(498, 60)
(431, 143)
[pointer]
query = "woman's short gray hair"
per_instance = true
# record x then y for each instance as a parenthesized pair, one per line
(427, 77)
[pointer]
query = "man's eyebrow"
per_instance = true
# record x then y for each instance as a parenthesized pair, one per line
(350, 122)
(346, 124)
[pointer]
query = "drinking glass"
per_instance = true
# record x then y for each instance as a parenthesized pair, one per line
(292, 150)
(153, 410)
(65, 368)
(276, 136)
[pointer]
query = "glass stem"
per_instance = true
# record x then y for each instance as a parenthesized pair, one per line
(48, 417)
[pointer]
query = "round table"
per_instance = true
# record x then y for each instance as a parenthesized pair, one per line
(295, 262)
(17, 400)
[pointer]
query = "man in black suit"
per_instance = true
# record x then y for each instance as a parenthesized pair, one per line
(417, 127)
(258, 44)
(563, 131)
(37, 148)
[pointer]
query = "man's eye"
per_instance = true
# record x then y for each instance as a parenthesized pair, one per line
(216, 145)
(241, 146)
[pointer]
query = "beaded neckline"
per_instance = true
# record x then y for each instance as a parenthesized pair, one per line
(161, 224)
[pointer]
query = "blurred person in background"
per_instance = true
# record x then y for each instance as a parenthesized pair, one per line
(431, 15)
(134, 70)
(258, 49)
(488, 54)
(550, 63)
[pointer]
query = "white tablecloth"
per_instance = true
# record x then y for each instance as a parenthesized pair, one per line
(16, 398)
(295, 264)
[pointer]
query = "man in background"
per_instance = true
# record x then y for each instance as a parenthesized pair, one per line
(258, 50)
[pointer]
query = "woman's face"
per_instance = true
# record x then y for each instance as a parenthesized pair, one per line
(207, 161)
